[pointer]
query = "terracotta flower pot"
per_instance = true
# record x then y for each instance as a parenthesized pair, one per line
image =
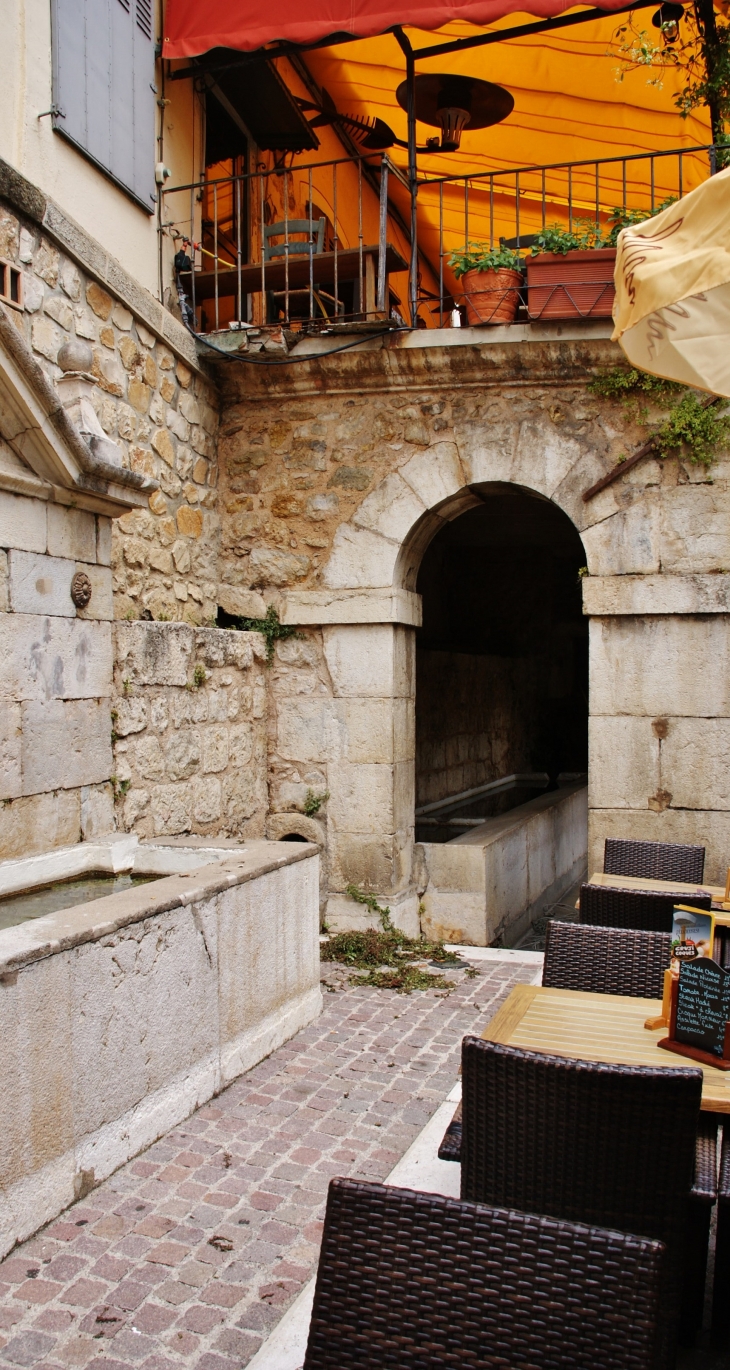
(574, 285)
(491, 296)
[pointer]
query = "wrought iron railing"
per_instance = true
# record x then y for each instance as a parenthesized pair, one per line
(327, 244)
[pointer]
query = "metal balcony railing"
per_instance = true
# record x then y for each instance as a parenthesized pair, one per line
(327, 244)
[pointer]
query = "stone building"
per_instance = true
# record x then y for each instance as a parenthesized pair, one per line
(413, 507)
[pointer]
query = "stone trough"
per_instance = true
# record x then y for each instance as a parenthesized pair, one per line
(120, 1016)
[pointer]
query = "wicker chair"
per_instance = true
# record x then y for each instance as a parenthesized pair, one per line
(654, 860)
(606, 960)
(610, 1145)
(605, 907)
(721, 1286)
(420, 1282)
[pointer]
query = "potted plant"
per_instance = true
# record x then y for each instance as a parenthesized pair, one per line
(492, 278)
(570, 273)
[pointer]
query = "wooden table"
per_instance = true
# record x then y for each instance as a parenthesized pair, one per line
(595, 1027)
(348, 267)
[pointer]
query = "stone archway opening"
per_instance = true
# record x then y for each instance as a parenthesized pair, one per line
(501, 662)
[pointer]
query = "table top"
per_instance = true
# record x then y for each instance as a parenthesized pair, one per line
(634, 882)
(323, 272)
(596, 1027)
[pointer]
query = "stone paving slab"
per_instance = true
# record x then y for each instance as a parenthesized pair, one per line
(191, 1253)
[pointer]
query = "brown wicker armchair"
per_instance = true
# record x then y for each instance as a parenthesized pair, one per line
(642, 910)
(606, 960)
(610, 1145)
(721, 1286)
(420, 1282)
(654, 860)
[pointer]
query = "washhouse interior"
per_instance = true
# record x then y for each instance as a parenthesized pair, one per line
(501, 662)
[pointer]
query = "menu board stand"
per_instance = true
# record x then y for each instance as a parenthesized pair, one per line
(685, 1002)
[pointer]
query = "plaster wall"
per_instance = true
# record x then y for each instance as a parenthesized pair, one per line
(121, 1017)
(33, 148)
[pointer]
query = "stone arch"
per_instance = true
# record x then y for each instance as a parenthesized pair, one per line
(381, 546)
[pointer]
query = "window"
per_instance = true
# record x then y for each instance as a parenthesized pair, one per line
(104, 87)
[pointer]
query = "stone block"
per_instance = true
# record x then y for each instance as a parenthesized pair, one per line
(66, 743)
(624, 766)
(147, 758)
(270, 566)
(695, 530)
(360, 558)
(154, 653)
(41, 584)
(4, 585)
(696, 763)
(131, 714)
(97, 811)
(171, 807)
(101, 604)
(243, 603)
(369, 728)
(307, 729)
(629, 542)
(103, 540)
(243, 792)
(214, 742)
(241, 740)
(206, 792)
(391, 509)
(361, 797)
(435, 475)
(23, 522)
(181, 751)
(364, 859)
(71, 533)
(39, 823)
(10, 738)
(61, 658)
(101, 303)
(456, 918)
(660, 665)
(361, 659)
(46, 337)
(225, 647)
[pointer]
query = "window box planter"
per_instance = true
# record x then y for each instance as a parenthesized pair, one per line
(491, 296)
(571, 285)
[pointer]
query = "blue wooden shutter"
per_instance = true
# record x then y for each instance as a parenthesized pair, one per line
(104, 87)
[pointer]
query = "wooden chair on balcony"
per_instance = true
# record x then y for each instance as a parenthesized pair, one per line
(295, 245)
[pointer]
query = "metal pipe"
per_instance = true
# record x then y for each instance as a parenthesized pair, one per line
(412, 169)
(383, 234)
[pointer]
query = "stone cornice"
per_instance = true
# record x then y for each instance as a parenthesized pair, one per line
(606, 596)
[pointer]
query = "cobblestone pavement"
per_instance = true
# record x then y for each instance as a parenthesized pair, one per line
(191, 1253)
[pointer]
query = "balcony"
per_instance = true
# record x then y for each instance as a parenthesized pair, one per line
(326, 247)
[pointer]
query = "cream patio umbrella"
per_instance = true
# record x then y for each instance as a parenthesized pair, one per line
(672, 307)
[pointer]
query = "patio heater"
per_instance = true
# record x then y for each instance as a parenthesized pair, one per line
(451, 103)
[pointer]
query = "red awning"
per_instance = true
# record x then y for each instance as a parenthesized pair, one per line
(196, 26)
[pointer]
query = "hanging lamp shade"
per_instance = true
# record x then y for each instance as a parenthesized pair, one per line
(454, 103)
(672, 307)
(195, 26)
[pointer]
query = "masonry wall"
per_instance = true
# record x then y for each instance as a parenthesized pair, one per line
(189, 730)
(150, 398)
(336, 476)
(55, 676)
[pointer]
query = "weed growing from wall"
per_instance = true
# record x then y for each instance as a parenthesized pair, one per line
(692, 429)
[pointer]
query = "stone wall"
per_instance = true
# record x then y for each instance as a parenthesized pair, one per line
(55, 676)
(154, 405)
(337, 475)
(189, 728)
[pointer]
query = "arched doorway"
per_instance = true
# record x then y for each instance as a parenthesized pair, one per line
(501, 660)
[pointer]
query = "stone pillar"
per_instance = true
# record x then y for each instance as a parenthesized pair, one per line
(659, 729)
(371, 771)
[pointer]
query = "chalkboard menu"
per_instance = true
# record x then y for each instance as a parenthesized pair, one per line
(703, 1005)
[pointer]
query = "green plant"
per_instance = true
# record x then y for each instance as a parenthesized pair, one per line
(479, 257)
(200, 675)
(119, 787)
(700, 53)
(691, 427)
(115, 734)
(387, 955)
(270, 628)
(584, 236)
(163, 618)
(403, 981)
(621, 217)
(126, 686)
(695, 428)
(313, 802)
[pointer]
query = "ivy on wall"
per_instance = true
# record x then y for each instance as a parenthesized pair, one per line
(693, 427)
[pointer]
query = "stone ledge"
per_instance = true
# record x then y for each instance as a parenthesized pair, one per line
(55, 932)
(28, 200)
(656, 594)
(316, 607)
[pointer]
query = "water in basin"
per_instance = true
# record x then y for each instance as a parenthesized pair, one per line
(65, 894)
